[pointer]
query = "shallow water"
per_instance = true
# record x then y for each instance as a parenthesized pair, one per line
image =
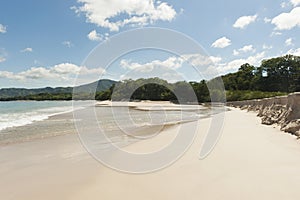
(20, 113)
(117, 123)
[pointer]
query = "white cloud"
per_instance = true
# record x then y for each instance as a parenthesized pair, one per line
(36, 73)
(198, 60)
(221, 43)
(6, 74)
(65, 68)
(170, 64)
(94, 36)
(244, 21)
(235, 52)
(295, 52)
(28, 49)
(215, 59)
(37, 62)
(266, 47)
(244, 49)
(107, 14)
(147, 67)
(284, 4)
(247, 48)
(295, 2)
(287, 21)
(289, 42)
(2, 28)
(275, 33)
(235, 64)
(63, 71)
(68, 44)
(157, 68)
(267, 20)
(2, 59)
(256, 59)
(169, 75)
(168, 68)
(3, 55)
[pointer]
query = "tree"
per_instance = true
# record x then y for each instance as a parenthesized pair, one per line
(243, 79)
(281, 74)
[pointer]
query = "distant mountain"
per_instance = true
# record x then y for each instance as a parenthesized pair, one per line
(99, 86)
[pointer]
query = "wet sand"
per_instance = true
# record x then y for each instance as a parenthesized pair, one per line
(250, 161)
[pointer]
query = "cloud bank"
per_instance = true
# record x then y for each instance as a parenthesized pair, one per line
(107, 14)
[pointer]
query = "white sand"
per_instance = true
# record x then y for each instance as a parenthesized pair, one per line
(151, 105)
(251, 161)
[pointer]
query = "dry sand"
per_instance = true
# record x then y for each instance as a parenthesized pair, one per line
(250, 161)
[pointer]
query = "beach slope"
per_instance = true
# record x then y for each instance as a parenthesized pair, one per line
(250, 161)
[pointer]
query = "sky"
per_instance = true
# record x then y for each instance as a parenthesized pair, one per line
(45, 43)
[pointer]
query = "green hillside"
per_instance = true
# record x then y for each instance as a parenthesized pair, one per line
(49, 93)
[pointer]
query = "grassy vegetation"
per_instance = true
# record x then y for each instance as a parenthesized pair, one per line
(240, 95)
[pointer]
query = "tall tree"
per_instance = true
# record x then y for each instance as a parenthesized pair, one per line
(280, 74)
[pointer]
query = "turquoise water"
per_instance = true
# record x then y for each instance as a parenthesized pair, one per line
(28, 120)
(20, 113)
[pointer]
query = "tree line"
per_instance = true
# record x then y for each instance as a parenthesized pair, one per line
(274, 77)
(281, 74)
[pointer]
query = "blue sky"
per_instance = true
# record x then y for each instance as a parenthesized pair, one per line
(44, 43)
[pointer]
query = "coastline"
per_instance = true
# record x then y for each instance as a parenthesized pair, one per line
(250, 161)
(52, 126)
(283, 111)
(62, 122)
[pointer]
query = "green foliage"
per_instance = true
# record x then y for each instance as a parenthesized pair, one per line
(21, 92)
(243, 79)
(97, 86)
(142, 89)
(105, 95)
(156, 89)
(275, 77)
(201, 91)
(41, 97)
(240, 95)
(281, 74)
(11, 93)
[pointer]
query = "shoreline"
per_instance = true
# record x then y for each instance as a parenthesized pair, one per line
(250, 161)
(67, 116)
(283, 111)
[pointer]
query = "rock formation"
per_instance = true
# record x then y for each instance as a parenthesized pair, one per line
(284, 111)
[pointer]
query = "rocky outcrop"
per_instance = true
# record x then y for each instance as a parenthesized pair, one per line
(284, 111)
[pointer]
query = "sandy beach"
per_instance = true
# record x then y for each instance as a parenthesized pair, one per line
(149, 100)
(250, 161)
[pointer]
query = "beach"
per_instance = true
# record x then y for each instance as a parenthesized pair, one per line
(250, 161)
(149, 100)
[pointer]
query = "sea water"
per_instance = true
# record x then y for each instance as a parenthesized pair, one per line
(27, 120)
(20, 113)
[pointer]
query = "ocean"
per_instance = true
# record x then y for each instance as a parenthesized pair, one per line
(20, 113)
(27, 120)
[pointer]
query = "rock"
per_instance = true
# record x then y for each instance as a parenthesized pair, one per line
(293, 106)
(292, 127)
(283, 111)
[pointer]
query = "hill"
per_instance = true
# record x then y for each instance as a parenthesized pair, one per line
(274, 77)
(22, 93)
